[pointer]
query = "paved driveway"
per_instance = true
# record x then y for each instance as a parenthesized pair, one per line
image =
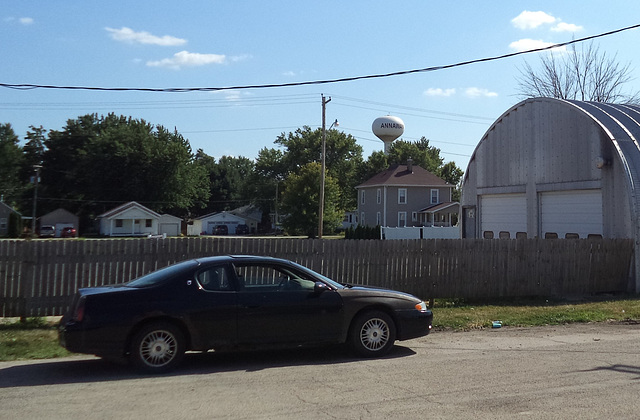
(567, 372)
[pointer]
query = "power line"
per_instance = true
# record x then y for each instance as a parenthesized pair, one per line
(316, 82)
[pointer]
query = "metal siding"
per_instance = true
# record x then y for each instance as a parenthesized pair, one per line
(571, 212)
(503, 213)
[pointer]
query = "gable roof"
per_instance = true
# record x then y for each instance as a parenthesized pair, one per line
(248, 212)
(9, 208)
(399, 175)
(127, 206)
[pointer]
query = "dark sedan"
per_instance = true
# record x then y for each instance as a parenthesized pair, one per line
(233, 302)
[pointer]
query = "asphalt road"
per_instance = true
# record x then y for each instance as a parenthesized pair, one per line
(567, 372)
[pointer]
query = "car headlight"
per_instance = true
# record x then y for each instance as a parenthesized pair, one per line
(422, 306)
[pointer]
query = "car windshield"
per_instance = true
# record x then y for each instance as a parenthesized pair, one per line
(327, 280)
(162, 275)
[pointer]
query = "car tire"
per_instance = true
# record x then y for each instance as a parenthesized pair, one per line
(372, 334)
(157, 348)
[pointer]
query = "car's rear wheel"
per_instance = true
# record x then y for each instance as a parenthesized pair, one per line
(372, 334)
(157, 347)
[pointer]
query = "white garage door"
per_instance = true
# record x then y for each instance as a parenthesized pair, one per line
(503, 215)
(576, 213)
(171, 229)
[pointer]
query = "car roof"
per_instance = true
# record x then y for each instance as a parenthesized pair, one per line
(237, 258)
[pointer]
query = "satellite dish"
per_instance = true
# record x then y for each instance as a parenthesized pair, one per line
(387, 129)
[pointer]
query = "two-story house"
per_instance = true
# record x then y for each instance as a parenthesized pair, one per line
(406, 195)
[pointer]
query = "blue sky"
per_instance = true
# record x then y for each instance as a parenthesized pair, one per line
(158, 44)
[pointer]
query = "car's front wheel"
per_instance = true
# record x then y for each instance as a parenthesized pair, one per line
(372, 334)
(157, 347)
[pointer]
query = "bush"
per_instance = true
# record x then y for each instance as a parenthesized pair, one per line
(362, 232)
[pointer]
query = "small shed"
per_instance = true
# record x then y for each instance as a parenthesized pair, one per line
(552, 168)
(60, 219)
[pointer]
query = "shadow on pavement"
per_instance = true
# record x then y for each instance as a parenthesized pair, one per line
(66, 371)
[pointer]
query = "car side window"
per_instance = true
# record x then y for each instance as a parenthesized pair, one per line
(214, 279)
(266, 278)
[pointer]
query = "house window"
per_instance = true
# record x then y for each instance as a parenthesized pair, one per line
(362, 218)
(379, 196)
(3, 223)
(118, 223)
(414, 216)
(362, 197)
(402, 219)
(402, 196)
(148, 223)
(435, 196)
(378, 219)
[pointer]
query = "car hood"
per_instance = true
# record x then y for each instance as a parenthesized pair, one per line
(379, 291)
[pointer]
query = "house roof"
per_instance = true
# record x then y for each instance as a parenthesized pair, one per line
(8, 207)
(248, 212)
(127, 206)
(221, 215)
(439, 207)
(399, 175)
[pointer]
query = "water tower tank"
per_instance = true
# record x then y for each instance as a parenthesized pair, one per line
(388, 129)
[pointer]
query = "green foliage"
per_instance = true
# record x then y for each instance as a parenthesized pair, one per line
(11, 159)
(343, 159)
(301, 201)
(423, 155)
(452, 174)
(230, 181)
(96, 162)
(362, 232)
(532, 313)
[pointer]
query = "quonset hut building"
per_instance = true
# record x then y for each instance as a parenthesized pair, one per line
(552, 168)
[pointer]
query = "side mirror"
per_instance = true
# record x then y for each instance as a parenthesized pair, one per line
(320, 287)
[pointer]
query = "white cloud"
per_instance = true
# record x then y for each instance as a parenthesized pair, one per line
(531, 20)
(289, 73)
(26, 20)
(566, 27)
(128, 35)
(474, 92)
(439, 92)
(187, 59)
(532, 44)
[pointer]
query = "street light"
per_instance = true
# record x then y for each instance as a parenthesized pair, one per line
(325, 101)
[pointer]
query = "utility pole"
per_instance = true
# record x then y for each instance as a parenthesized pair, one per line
(35, 199)
(325, 101)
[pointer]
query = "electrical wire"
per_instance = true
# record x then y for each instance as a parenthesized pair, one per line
(316, 82)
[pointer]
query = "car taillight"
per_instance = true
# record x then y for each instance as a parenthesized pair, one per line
(78, 313)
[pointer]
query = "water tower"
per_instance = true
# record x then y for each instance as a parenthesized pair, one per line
(388, 129)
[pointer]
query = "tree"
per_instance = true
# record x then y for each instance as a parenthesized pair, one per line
(300, 202)
(11, 183)
(452, 174)
(586, 75)
(229, 179)
(96, 162)
(343, 159)
(422, 154)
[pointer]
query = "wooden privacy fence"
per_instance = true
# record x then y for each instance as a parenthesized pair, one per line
(38, 278)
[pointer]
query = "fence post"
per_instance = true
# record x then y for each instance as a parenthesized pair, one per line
(27, 269)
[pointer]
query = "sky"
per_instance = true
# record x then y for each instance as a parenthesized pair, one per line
(235, 43)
